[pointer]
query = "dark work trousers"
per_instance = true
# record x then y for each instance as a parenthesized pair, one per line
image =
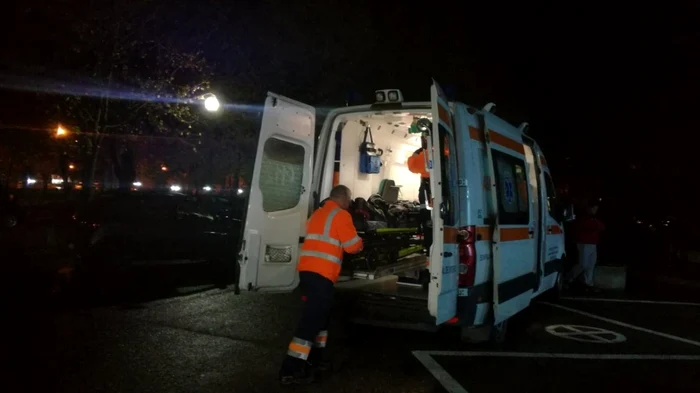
(309, 340)
(424, 212)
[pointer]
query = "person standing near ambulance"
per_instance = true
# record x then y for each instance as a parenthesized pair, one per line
(588, 229)
(329, 233)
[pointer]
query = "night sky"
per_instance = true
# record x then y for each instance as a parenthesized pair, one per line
(604, 87)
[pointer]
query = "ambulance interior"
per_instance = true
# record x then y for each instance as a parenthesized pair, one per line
(386, 211)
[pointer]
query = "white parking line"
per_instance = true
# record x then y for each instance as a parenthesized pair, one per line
(452, 386)
(584, 356)
(445, 379)
(593, 299)
(623, 324)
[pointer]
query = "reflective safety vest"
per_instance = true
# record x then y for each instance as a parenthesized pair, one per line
(416, 163)
(329, 232)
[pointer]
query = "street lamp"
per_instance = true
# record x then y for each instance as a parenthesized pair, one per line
(71, 166)
(163, 168)
(211, 103)
(60, 131)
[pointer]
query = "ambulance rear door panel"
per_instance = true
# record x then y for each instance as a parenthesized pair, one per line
(474, 192)
(444, 256)
(278, 204)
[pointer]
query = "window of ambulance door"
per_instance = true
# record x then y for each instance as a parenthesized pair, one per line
(281, 175)
(552, 200)
(448, 165)
(511, 184)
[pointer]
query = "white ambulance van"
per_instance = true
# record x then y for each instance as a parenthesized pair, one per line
(497, 227)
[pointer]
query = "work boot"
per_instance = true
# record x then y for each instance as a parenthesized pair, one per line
(300, 378)
(323, 365)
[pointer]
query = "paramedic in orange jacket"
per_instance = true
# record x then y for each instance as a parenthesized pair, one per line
(329, 233)
(416, 164)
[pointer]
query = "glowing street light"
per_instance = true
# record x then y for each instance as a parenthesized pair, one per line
(60, 131)
(211, 103)
(71, 166)
(163, 168)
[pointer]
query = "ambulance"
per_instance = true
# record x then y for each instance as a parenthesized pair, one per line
(497, 226)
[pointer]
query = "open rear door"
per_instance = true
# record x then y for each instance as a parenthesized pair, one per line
(278, 203)
(444, 259)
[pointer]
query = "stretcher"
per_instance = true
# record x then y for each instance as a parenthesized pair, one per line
(387, 251)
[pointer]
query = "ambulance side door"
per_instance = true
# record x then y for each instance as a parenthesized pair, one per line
(278, 203)
(515, 238)
(554, 238)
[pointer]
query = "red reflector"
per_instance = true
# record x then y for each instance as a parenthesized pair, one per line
(303, 298)
(452, 321)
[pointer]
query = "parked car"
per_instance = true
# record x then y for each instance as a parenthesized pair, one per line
(122, 231)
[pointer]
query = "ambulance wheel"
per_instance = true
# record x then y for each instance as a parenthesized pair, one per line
(489, 334)
(498, 333)
(554, 293)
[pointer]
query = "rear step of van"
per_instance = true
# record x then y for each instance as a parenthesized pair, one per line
(385, 303)
(408, 263)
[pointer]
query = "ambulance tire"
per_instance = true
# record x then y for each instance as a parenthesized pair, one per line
(499, 333)
(493, 335)
(555, 292)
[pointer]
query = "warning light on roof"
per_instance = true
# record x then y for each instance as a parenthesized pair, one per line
(388, 96)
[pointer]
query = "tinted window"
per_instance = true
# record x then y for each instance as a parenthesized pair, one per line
(449, 174)
(552, 200)
(511, 185)
(281, 174)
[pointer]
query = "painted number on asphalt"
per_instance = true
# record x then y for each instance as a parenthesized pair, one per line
(589, 334)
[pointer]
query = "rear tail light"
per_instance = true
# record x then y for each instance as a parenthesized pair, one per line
(467, 256)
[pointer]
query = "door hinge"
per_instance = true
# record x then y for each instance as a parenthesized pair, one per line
(461, 182)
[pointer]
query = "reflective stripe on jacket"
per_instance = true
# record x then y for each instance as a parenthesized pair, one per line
(329, 232)
(416, 163)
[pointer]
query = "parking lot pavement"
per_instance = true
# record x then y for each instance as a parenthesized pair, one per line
(221, 342)
(597, 345)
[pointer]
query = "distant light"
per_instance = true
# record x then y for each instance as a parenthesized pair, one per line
(206, 188)
(175, 188)
(240, 191)
(164, 168)
(137, 184)
(211, 103)
(60, 131)
(30, 180)
(71, 166)
(56, 181)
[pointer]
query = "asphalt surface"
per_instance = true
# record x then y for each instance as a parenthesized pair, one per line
(216, 341)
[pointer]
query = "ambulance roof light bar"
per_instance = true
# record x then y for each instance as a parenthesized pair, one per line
(388, 96)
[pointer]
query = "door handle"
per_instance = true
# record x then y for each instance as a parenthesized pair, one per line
(531, 232)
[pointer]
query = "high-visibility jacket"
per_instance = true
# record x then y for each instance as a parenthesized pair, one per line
(416, 163)
(329, 232)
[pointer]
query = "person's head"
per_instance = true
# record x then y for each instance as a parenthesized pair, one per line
(341, 195)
